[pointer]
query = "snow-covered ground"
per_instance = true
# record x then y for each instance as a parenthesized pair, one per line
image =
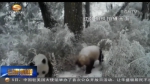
(96, 72)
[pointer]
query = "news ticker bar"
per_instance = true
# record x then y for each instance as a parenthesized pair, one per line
(121, 80)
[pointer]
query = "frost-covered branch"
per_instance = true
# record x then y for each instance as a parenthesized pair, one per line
(122, 8)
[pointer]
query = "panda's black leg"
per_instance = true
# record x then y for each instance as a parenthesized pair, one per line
(89, 67)
(100, 60)
(101, 57)
(92, 64)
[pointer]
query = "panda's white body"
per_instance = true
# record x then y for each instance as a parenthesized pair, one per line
(87, 56)
(43, 65)
(85, 53)
(87, 50)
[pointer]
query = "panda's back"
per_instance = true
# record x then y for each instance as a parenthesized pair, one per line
(86, 51)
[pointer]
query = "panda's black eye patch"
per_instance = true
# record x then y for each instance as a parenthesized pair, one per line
(44, 61)
(43, 72)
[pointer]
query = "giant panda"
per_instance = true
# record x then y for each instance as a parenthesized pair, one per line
(87, 56)
(44, 66)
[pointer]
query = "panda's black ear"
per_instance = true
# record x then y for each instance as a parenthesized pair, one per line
(31, 64)
(44, 61)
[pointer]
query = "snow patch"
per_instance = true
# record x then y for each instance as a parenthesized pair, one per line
(95, 72)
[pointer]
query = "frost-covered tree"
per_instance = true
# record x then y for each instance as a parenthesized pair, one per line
(73, 17)
(109, 6)
(87, 13)
(49, 22)
(122, 8)
(145, 10)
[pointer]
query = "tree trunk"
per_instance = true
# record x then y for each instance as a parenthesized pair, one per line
(49, 22)
(122, 8)
(87, 13)
(144, 10)
(73, 17)
(111, 6)
(148, 5)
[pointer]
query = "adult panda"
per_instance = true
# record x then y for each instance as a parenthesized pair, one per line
(44, 66)
(87, 56)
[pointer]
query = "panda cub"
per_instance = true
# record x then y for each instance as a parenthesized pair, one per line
(44, 66)
(87, 56)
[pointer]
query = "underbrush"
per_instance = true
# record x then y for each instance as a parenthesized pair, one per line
(125, 59)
